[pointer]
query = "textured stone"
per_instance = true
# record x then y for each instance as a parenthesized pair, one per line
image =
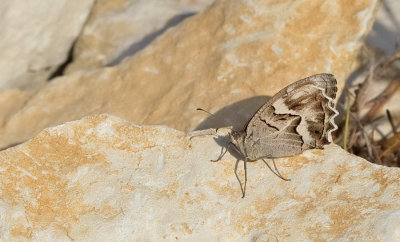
(117, 29)
(14, 96)
(230, 52)
(36, 37)
(105, 179)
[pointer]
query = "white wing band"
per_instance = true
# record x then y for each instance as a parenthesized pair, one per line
(332, 118)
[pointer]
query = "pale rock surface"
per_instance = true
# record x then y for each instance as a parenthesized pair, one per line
(113, 29)
(15, 96)
(230, 52)
(117, 29)
(36, 37)
(104, 179)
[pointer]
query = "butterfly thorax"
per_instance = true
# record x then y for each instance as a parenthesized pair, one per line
(237, 138)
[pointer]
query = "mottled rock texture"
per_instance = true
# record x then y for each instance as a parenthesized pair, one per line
(117, 29)
(216, 60)
(105, 179)
(35, 38)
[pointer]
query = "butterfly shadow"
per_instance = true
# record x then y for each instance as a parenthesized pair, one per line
(235, 115)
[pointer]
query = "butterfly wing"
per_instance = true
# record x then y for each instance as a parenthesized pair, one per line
(297, 118)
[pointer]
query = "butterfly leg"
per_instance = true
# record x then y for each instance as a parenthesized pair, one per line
(276, 169)
(245, 176)
(223, 153)
(276, 172)
(237, 177)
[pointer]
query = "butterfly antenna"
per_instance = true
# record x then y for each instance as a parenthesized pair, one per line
(212, 115)
(200, 109)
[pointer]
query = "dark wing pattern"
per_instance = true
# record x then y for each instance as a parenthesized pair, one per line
(297, 118)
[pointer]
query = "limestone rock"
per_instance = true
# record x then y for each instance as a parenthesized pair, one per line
(118, 29)
(230, 52)
(15, 96)
(105, 179)
(36, 37)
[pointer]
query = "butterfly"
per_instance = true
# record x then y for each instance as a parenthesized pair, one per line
(297, 118)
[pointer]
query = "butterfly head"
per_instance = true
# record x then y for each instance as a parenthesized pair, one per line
(237, 138)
